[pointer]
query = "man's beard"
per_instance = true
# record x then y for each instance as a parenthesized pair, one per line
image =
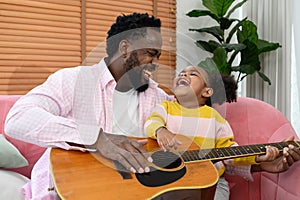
(135, 72)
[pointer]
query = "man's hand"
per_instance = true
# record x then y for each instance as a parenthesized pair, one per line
(271, 154)
(282, 163)
(130, 153)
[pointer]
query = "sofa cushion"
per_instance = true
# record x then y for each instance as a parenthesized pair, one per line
(11, 184)
(10, 157)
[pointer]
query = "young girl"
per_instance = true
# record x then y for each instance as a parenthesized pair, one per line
(192, 115)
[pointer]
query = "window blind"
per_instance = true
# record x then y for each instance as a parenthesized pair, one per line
(166, 11)
(39, 37)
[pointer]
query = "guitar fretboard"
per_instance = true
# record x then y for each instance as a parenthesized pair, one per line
(232, 152)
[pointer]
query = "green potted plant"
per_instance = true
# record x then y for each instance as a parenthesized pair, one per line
(224, 51)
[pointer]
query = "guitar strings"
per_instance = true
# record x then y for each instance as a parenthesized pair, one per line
(227, 152)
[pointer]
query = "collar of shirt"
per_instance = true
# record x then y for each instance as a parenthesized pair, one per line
(106, 77)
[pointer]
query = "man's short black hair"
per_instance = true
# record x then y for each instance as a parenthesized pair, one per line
(123, 24)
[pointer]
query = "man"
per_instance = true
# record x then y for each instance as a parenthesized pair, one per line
(74, 107)
(76, 104)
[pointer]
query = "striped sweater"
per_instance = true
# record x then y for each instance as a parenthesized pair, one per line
(204, 125)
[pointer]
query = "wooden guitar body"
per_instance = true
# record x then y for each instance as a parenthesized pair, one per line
(79, 175)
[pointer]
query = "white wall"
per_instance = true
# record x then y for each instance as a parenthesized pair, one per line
(187, 51)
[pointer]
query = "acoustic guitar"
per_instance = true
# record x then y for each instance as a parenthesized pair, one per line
(79, 175)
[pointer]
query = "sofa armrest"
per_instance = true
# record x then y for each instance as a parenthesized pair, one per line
(30, 151)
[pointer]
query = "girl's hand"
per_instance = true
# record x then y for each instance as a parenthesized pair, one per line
(166, 139)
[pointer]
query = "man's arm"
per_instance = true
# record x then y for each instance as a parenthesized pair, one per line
(282, 163)
(42, 116)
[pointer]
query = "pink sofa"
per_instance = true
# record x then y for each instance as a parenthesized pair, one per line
(255, 122)
(252, 121)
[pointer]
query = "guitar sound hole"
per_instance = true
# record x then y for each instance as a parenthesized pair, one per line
(156, 177)
(166, 160)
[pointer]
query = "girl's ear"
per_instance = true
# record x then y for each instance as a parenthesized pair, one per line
(123, 48)
(208, 92)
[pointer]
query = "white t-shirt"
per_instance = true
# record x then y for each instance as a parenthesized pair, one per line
(126, 113)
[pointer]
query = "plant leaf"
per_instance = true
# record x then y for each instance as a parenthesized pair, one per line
(236, 46)
(200, 13)
(235, 7)
(249, 56)
(220, 59)
(215, 31)
(218, 7)
(234, 30)
(248, 32)
(209, 46)
(265, 46)
(226, 23)
(264, 77)
(209, 65)
(246, 69)
(232, 57)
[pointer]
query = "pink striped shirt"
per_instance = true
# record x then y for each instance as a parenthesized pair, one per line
(55, 113)
(60, 109)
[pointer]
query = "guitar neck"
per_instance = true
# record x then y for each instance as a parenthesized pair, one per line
(232, 152)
